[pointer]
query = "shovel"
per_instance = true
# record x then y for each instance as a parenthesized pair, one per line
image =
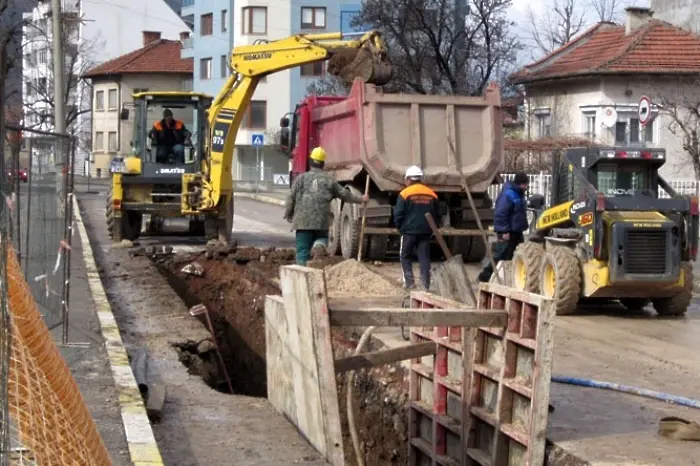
(451, 277)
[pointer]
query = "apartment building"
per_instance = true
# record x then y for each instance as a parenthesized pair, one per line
(220, 25)
(95, 33)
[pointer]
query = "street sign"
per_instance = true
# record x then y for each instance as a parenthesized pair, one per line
(281, 179)
(258, 139)
(644, 110)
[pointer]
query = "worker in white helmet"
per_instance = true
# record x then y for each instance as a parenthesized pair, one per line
(413, 203)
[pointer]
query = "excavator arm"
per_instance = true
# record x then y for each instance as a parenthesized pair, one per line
(349, 58)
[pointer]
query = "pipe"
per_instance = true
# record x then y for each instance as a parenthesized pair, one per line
(349, 407)
(661, 396)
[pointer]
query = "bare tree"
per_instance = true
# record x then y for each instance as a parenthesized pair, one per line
(561, 21)
(607, 10)
(327, 85)
(684, 123)
(440, 47)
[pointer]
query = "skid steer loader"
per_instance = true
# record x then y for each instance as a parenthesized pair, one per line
(609, 235)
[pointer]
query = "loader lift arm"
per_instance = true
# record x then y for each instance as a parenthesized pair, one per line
(364, 57)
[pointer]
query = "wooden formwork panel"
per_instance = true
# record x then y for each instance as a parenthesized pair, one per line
(510, 375)
(495, 421)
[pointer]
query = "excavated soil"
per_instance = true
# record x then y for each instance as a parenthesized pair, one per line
(233, 284)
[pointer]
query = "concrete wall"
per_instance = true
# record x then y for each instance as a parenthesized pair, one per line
(108, 120)
(682, 13)
(570, 103)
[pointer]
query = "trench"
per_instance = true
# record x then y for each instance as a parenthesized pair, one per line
(233, 288)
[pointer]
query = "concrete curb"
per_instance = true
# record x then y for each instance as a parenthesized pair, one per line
(143, 448)
(261, 198)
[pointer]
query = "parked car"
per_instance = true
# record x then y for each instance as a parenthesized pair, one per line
(20, 173)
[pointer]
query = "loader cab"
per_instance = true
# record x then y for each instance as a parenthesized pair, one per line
(187, 107)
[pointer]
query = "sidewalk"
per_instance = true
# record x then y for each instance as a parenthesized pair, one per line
(269, 197)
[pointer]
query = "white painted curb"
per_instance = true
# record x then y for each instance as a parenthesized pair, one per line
(260, 197)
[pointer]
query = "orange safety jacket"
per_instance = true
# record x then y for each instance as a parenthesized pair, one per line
(175, 134)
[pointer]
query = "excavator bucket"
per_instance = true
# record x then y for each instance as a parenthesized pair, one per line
(372, 67)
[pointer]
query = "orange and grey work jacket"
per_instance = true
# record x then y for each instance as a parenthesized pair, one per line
(166, 135)
(413, 203)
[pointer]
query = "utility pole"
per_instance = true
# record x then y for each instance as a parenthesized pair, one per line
(61, 145)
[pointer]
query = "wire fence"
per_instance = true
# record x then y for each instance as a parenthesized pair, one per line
(252, 178)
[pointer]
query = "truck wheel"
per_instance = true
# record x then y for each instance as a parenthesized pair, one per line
(376, 246)
(131, 225)
(333, 247)
(527, 266)
(560, 278)
(634, 304)
(349, 233)
(113, 224)
(677, 305)
(477, 250)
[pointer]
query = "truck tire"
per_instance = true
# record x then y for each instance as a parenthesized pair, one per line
(376, 246)
(634, 304)
(677, 305)
(477, 250)
(349, 233)
(560, 278)
(527, 266)
(113, 226)
(333, 248)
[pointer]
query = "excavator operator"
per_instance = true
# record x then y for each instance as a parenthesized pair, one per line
(169, 136)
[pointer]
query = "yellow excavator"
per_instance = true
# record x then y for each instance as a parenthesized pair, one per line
(201, 186)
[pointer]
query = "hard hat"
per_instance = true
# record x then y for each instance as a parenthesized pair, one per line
(414, 171)
(318, 155)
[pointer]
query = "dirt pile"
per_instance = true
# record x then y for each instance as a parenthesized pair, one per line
(351, 278)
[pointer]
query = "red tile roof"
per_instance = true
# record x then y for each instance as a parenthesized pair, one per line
(655, 48)
(161, 56)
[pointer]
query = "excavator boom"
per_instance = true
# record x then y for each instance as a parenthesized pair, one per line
(349, 58)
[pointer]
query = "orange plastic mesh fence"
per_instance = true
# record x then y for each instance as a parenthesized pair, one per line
(51, 424)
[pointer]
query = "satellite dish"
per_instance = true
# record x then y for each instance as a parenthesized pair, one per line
(608, 117)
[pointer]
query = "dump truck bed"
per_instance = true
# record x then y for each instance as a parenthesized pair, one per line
(448, 136)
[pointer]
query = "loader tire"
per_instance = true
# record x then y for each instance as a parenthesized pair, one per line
(527, 266)
(560, 278)
(634, 304)
(677, 305)
(333, 248)
(349, 233)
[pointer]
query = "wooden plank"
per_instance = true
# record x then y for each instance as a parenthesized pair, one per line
(364, 303)
(316, 391)
(280, 357)
(418, 317)
(376, 358)
(443, 231)
(452, 281)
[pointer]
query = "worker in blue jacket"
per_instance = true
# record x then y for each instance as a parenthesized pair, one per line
(510, 221)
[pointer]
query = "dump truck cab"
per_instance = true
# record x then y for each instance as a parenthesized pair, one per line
(615, 229)
(148, 180)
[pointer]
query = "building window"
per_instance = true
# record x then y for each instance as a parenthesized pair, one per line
(187, 84)
(256, 115)
(224, 20)
(42, 85)
(629, 132)
(113, 146)
(205, 68)
(544, 123)
(206, 24)
(187, 3)
(255, 20)
(100, 100)
(313, 17)
(99, 143)
(589, 127)
(112, 101)
(224, 66)
(312, 70)
(43, 56)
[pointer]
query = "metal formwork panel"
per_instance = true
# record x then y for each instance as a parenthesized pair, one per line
(506, 411)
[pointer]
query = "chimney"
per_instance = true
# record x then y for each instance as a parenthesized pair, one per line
(184, 35)
(637, 17)
(150, 36)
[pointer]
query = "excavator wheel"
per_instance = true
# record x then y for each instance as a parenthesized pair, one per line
(560, 278)
(677, 305)
(527, 264)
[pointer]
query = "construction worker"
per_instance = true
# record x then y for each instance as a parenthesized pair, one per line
(309, 204)
(510, 221)
(169, 136)
(413, 203)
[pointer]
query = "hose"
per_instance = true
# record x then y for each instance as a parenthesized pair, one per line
(668, 398)
(349, 407)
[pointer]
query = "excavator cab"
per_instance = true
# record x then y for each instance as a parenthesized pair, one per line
(148, 180)
(615, 229)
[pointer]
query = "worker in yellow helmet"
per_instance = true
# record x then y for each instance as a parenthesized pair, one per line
(309, 205)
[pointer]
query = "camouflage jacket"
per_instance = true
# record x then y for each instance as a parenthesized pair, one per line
(309, 202)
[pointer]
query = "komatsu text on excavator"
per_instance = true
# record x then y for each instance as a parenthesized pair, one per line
(152, 180)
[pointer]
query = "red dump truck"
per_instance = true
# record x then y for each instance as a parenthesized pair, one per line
(456, 140)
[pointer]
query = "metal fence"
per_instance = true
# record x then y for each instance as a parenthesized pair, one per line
(252, 178)
(5, 333)
(41, 192)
